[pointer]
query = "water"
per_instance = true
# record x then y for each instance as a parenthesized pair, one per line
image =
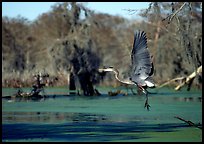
(102, 118)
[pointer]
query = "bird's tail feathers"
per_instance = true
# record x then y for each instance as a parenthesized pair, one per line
(150, 83)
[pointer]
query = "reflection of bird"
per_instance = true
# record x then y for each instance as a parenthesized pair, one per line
(141, 67)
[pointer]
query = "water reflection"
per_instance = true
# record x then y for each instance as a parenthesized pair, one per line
(188, 99)
(100, 118)
(43, 98)
(50, 117)
(85, 131)
(30, 99)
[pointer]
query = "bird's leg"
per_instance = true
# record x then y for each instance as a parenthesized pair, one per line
(146, 102)
(146, 93)
(126, 89)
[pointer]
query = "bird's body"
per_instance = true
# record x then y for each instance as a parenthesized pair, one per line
(141, 66)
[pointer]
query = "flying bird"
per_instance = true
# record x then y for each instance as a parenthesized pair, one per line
(142, 67)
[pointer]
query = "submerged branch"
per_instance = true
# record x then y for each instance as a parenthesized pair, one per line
(188, 122)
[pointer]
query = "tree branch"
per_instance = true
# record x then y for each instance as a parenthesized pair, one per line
(189, 78)
(170, 81)
(188, 122)
(171, 16)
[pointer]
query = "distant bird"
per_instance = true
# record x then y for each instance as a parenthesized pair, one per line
(142, 67)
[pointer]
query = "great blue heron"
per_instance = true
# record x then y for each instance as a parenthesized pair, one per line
(141, 67)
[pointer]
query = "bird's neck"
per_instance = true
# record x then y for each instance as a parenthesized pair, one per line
(122, 80)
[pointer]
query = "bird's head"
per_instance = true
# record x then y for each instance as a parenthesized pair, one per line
(108, 69)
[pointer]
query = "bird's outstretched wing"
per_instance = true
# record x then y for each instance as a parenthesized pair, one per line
(141, 60)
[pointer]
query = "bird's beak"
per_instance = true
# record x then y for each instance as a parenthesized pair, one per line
(101, 70)
(105, 69)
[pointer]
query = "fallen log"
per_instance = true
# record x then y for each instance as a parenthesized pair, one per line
(170, 81)
(190, 78)
(184, 80)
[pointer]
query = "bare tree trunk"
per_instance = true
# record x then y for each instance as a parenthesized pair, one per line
(157, 35)
(86, 84)
(72, 86)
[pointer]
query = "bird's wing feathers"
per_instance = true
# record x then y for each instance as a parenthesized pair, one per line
(141, 60)
(152, 70)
